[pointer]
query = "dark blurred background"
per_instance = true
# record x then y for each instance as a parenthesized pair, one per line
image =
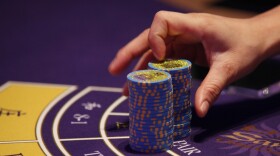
(72, 42)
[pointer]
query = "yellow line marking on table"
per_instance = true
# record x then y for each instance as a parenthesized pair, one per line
(18, 141)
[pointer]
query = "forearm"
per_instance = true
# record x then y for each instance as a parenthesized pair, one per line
(268, 27)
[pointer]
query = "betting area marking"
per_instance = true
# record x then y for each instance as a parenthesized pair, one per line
(78, 118)
(59, 116)
(23, 107)
(103, 123)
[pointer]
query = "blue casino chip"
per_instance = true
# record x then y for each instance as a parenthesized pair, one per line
(180, 71)
(159, 105)
(151, 121)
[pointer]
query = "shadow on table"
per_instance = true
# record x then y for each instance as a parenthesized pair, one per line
(228, 116)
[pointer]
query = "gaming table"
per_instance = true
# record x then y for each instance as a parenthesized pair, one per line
(57, 97)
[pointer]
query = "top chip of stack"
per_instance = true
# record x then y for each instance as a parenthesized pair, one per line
(180, 71)
(148, 78)
(172, 66)
(150, 111)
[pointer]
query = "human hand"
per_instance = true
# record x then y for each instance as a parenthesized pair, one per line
(230, 47)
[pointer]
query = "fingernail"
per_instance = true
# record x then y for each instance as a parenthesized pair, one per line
(112, 64)
(204, 107)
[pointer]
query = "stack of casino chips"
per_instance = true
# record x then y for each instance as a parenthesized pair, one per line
(180, 71)
(150, 111)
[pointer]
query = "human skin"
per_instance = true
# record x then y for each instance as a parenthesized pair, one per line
(230, 47)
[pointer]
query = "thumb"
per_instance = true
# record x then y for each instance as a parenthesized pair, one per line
(217, 78)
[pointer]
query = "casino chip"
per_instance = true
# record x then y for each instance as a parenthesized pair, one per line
(180, 71)
(151, 121)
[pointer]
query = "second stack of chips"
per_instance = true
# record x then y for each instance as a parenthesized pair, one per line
(180, 71)
(150, 111)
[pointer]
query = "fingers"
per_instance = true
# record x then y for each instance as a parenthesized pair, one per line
(217, 78)
(132, 50)
(167, 26)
